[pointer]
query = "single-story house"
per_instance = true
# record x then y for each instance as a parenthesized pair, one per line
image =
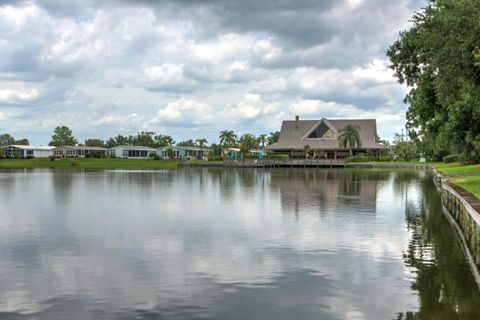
(131, 152)
(260, 153)
(28, 151)
(79, 151)
(323, 135)
(184, 152)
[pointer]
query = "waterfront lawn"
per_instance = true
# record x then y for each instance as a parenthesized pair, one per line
(107, 163)
(458, 168)
(469, 183)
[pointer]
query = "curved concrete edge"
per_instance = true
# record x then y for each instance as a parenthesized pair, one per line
(464, 218)
(463, 242)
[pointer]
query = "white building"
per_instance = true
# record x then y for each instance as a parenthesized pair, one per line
(131, 152)
(28, 151)
(80, 151)
(184, 152)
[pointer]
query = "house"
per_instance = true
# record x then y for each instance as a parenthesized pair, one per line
(28, 151)
(322, 135)
(80, 151)
(184, 152)
(131, 152)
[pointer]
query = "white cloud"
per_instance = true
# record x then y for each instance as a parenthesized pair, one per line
(185, 112)
(14, 95)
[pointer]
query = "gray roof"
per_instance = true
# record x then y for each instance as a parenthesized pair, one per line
(139, 148)
(294, 135)
(184, 148)
(82, 148)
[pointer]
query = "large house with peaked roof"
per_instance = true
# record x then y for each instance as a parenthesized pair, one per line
(323, 135)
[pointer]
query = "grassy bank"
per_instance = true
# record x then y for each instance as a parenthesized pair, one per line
(108, 163)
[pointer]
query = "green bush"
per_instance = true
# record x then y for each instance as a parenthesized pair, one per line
(282, 156)
(385, 159)
(215, 158)
(154, 156)
(361, 158)
(451, 158)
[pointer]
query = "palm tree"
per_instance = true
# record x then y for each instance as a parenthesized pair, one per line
(227, 138)
(349, 138)
(248, 142)
(262, 140)
(307, 150)
(201, 143)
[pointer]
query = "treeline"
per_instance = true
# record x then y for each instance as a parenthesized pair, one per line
(439, 59)
(63, 136)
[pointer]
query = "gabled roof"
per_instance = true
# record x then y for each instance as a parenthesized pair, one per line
(294, 134)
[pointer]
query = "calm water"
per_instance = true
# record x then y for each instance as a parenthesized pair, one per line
(213, 244)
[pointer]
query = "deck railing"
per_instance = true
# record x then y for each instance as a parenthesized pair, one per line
(270, 163)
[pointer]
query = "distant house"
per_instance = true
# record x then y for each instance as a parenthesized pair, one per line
(80, 151)
(323, 135)
(131, 152)
(28, 151)
(184, 152)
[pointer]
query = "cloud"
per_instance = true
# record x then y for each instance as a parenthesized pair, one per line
(120, 66)
(185, 112)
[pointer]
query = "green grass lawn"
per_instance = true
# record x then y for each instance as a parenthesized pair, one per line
(108, 163)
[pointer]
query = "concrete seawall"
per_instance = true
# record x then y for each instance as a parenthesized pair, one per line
(462, 210)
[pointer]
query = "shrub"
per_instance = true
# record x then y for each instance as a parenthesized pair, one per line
(385, 158)
(282, 156)
(450, 158)
(154, 156)
(215, 158)
(361, 158)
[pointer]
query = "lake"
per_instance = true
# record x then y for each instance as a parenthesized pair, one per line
(234, 244)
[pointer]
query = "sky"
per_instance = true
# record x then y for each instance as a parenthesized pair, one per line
(191, 68)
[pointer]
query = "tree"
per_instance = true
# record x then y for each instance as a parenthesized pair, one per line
(201, 143)
(22, 142)
(144, 138)
(273, 137)
(6, 139)
(307, 150)
(439, 59)
(349, 138)
(406, 150)
(119, 141)
(62, 136)
(2, 153)
(248, 142)
(187, 143)
(162, 140)
(228, 138)
(94, 143)
(262, 140)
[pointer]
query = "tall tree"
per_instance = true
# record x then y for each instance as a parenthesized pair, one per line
(6, 139)
(201, 143)
(273, 137)
(262, 140)
(94, 143)
(187, 143)
(162, 140)
(22, 142)
(248, 142)
(439, 59)
(228, 138)
(62, 136)
(349, 138)
(144, 138)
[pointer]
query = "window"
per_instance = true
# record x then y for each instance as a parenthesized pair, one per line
(323, 132)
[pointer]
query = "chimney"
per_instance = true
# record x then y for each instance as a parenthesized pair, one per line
(297, 122)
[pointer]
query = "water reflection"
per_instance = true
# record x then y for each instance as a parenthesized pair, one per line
(233, 244)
